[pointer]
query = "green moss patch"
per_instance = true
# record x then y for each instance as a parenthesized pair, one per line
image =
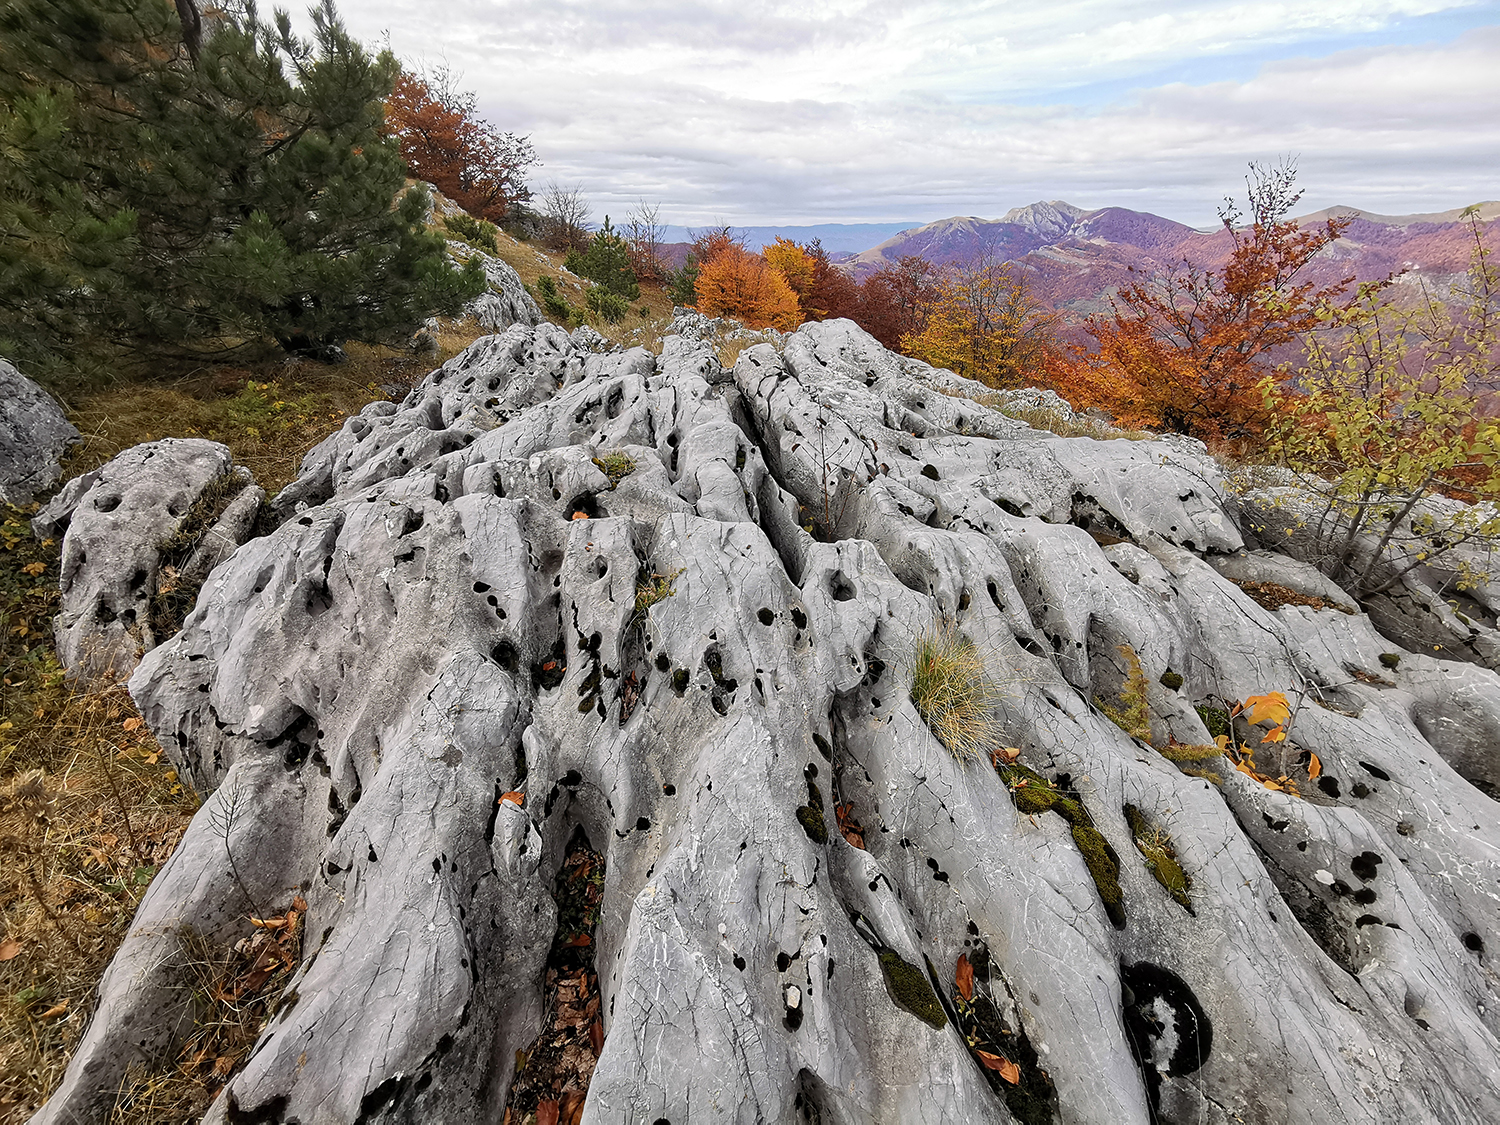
(910, 989)
(1033, 794)
(616, 466)
(1104, 865)
(811, 817)
(1153, 842)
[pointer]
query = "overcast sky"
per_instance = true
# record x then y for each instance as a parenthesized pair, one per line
(744, 111)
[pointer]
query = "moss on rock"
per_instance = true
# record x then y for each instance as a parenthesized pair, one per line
(1161, 859)
(811, 817)
(1104, 865)
(910, 988)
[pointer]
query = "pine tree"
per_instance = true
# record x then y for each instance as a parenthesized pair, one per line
(607, 262)
(154, 203)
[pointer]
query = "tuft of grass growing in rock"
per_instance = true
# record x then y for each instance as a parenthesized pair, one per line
(656, 588)
(175, 596)
(616, 465)
(952, 691)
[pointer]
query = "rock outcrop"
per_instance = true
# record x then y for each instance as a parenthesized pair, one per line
(34, 435)
(139, 535)
(675, 608)
(506, 302)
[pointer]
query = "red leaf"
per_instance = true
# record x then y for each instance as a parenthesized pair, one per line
(1007, 1070)
(547, 1112)
(965, 977)
(596, 1036)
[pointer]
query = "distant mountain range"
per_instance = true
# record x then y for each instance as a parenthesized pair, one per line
(1075, 259)
(848, 238)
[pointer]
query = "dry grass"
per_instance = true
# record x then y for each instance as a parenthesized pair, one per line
(954, 694)
(269, 413)
(89, 811)
(234, 991)
(1133, 715)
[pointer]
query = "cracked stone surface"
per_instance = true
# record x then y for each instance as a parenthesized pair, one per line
(34, 435)
(448, 613)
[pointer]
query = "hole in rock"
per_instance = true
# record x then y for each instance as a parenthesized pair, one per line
(840, 587)
(558, 1064)
(1168, 1031)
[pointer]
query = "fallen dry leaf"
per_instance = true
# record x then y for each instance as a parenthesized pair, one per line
(965, 977)
(596, 1036)
(580, 515)
(56, 1010)
(1314, 767)
(268, 923)
(548, 1112)
(299, 904)
(9, 948)
(1001, 1065)
(132, 723)
(515, 797)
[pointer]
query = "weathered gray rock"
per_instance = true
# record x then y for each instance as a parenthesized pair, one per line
(34, 435)
(1448, 607)
(450, 614)
(506, 302)
(113, 522)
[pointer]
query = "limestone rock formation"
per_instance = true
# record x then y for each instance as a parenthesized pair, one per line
(676, 608)
(506, 302)
(149, 524)
(34, 435)
(1448, 606)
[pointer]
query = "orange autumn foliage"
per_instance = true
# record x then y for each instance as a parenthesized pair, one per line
(795, 267)
(1186, 350)
(446, 143)
(735, 283)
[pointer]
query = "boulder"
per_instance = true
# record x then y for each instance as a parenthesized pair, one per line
(34, 435)
(674, 611)
(139, 535)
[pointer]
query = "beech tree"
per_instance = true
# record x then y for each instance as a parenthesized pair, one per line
(1187, 350)
(1384, 417)
(734, 282)
(447, 144)
(896, 299)
(984, 323)
(159, 200)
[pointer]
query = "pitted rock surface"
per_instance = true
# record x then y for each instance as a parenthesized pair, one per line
(112, 522)
(34, 435)
(449, 613)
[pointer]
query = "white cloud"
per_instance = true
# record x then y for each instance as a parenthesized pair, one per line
(766, 111)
